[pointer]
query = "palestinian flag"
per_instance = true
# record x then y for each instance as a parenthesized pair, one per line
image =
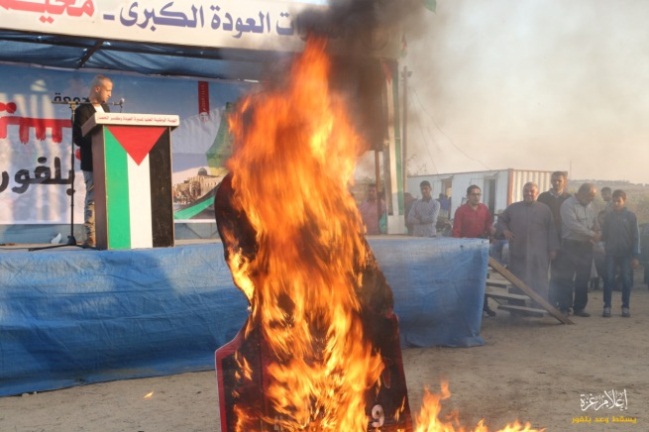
(134, 207)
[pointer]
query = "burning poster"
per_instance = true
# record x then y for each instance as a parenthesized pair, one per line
(320, 350)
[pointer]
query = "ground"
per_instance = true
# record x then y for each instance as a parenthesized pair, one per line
(530, 369)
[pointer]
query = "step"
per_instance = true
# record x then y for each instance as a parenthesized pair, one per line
(498, 284)
(522, 310)
(514, 298)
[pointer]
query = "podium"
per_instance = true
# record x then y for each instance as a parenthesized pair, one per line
(131, 156)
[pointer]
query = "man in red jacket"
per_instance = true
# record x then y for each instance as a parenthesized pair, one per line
(473, 220)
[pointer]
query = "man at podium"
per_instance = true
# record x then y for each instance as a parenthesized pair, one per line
(100, 92)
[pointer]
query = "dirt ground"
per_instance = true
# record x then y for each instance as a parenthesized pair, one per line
(532, 369)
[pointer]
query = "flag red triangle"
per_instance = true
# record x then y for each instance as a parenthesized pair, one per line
(137, 141)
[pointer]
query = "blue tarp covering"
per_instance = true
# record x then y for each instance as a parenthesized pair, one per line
(70, 317)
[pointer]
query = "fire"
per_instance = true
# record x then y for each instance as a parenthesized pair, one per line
(295, 245)
(428, 419)
(303, 281)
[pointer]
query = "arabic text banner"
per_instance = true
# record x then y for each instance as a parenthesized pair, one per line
(250, 24)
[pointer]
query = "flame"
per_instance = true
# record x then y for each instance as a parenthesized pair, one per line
(428, 418)
(294, 152)
(302, 282)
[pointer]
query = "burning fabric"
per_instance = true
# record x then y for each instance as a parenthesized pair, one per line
(320, 350)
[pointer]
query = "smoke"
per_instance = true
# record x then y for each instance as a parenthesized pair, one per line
(547, 85)
(364, 39)
(361, 27)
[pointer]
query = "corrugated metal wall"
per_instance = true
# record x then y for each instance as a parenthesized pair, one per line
(520, 177)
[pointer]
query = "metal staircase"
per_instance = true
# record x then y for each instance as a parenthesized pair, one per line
(529, 303)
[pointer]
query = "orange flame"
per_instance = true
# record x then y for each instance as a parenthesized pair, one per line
(303, 283)
(428, 419)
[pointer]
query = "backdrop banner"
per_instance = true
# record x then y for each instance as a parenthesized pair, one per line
(36, 141)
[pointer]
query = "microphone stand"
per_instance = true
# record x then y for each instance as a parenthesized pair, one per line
(71, 240)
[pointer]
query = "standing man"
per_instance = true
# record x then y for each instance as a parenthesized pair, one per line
(579, 232)
(371, 210)
(598, 251)
(473, 220)
(424, 212)
(408, 202)
(553, 198)
(622, 246)
(533, 241)
(607, 196)
(101, 89)
(444, 205)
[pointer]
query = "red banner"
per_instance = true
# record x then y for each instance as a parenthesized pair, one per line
(204, 100)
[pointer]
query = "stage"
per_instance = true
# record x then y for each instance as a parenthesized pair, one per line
(71, 316)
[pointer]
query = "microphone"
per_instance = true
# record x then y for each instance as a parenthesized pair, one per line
(120, 104)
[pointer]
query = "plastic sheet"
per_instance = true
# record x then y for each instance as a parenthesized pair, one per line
(71, 317)
(438, 287)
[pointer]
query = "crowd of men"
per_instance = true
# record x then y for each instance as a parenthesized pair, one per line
(554, 238)
(557, 234)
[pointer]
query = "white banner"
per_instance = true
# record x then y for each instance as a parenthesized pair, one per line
(247, 24)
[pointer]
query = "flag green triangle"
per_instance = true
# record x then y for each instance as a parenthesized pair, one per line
(221, 148)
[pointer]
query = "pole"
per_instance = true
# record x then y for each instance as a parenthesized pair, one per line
(404, 128)
(377, 175)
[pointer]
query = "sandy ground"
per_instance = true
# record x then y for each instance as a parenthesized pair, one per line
(531, 369)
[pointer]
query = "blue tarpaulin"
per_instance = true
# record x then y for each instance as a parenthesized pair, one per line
(71, 317)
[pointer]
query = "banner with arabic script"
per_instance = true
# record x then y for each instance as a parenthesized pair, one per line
(36, 138)
(248, 24)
